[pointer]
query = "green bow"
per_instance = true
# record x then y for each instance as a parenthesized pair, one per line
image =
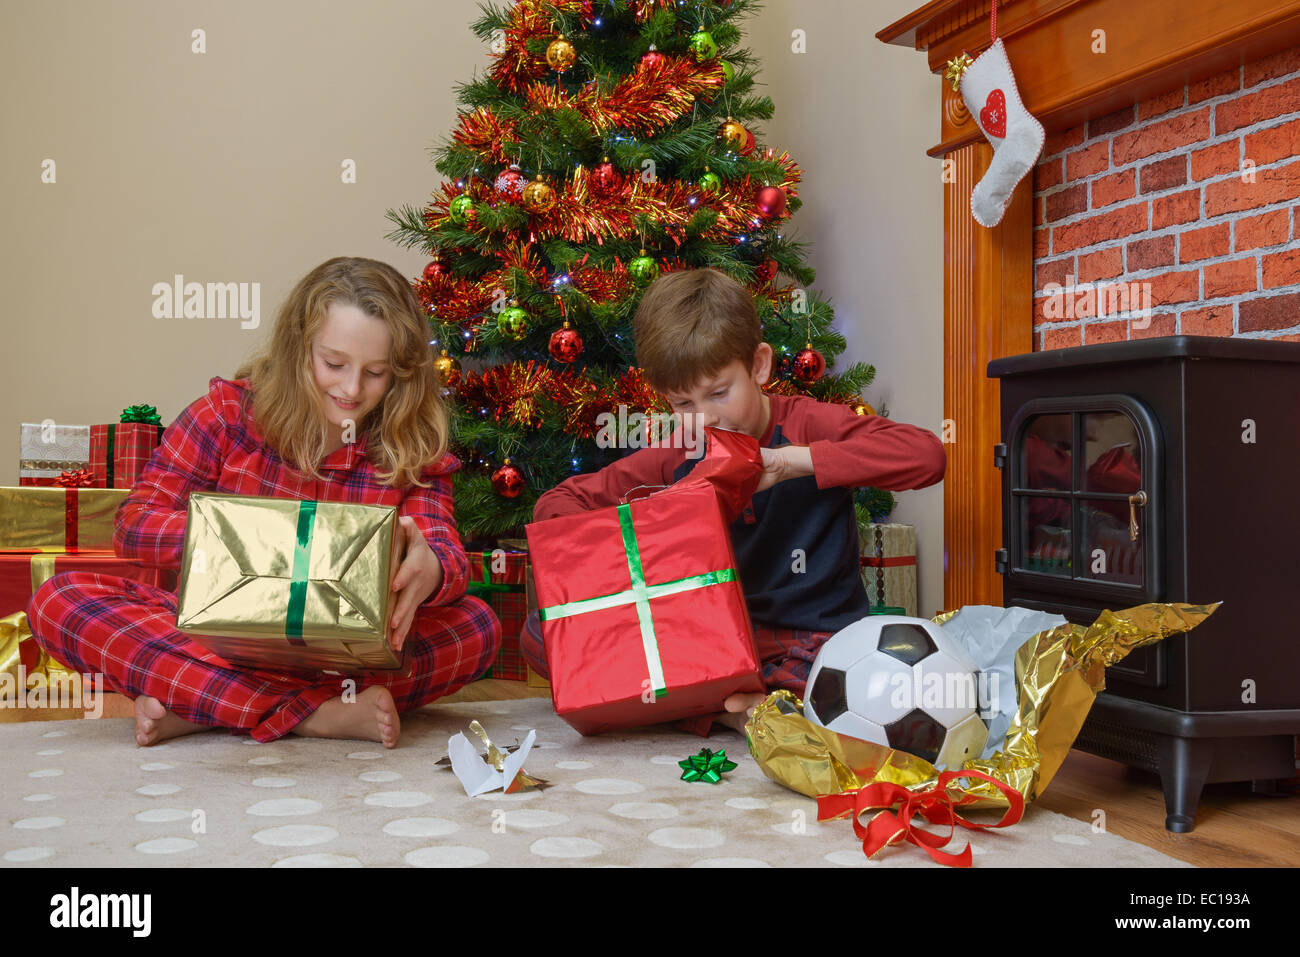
(706, 766)
(141, 413)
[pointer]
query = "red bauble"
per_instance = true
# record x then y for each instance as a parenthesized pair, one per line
(652, 59)
(435, 270)
(770, 201)
(766, 270)
(508, 481)
(565, 344)
(749, 143)
(604, 179)
(808, 366)
(512, 182)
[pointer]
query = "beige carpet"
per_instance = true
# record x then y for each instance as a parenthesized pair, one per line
(81, 793)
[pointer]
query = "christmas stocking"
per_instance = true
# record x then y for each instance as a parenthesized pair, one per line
(989, 89)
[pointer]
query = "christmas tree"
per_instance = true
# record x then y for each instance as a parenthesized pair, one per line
(609, 142)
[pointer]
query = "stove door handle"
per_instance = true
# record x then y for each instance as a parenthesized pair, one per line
(1137, 498)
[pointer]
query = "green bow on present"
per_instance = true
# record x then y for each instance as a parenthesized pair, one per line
(706, 766)
(141, 413)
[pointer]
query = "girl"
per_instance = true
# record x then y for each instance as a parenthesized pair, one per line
(345, 406)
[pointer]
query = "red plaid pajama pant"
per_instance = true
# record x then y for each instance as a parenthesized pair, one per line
(126, 631)
(787, 655)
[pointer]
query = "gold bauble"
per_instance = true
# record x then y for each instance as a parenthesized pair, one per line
(733, 134)
(448, 368)
(862, 408)
(539, 197)
(560, 54)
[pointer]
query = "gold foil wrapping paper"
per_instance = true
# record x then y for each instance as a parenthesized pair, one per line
(37, 517)
(48, 688)
(287, 585)
(1058, 674)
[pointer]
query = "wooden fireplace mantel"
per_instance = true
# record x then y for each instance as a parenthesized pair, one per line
(1150, 47)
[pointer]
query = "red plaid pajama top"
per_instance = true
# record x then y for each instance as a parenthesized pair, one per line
(126, 630)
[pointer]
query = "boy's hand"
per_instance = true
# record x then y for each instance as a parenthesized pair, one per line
(418, 577)
(784, 462)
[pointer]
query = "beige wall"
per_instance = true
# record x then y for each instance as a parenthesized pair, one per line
(225, 167)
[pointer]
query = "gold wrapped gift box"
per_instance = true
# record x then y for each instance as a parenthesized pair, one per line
(283, 584)
(35, 518)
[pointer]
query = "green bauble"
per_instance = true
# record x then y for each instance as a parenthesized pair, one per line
(710, 183)
(643, 269)
(703, 47)
(728, 71)
(513, 322)
(459, 210)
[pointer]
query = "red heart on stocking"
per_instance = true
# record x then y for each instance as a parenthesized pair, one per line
(994, 115)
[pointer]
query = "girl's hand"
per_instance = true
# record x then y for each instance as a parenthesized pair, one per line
(418, 577)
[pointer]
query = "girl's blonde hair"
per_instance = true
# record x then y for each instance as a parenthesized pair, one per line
(408, 430)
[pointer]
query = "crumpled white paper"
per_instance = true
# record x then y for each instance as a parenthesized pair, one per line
(476, 773)
(991, 635)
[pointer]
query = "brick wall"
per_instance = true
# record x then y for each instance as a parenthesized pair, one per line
(1159, 204)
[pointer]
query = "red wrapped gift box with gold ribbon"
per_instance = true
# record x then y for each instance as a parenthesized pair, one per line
(641, 605)
(24, 665)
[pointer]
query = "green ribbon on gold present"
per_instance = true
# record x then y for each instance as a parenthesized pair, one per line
(640, 595)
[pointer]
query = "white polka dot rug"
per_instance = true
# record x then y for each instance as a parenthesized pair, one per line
(83, 794)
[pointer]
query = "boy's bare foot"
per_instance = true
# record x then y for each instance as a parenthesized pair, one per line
(737, 710)
(154, 723)
(371, 717)
(735, 720)
(744, 703)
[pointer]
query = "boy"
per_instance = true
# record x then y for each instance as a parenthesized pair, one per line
(699, 343)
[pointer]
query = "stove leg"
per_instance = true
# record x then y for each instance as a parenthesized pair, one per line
(1184, 765)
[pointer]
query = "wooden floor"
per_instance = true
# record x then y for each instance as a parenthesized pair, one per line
(1234, 828)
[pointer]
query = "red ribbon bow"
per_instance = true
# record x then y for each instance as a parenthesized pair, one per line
(888, 827)
(78, 478)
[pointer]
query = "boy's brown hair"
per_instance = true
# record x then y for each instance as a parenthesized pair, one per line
(690, 324)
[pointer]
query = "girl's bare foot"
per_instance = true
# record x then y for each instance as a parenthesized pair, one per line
(154, 723)
(371, 717)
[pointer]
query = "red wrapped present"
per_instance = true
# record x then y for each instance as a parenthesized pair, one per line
(21, 573)
(119, 452)
(498, 578)
(641, 605)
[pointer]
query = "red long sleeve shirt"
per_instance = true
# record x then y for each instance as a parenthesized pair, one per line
(797, 544)
(211, 448)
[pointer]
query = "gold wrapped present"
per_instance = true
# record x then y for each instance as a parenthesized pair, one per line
(62, 518)
(290, 585)
(889, 567)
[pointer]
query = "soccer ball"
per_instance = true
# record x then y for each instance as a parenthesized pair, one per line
(899, 682)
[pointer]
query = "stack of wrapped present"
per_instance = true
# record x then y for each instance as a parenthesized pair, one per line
(71, 480)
